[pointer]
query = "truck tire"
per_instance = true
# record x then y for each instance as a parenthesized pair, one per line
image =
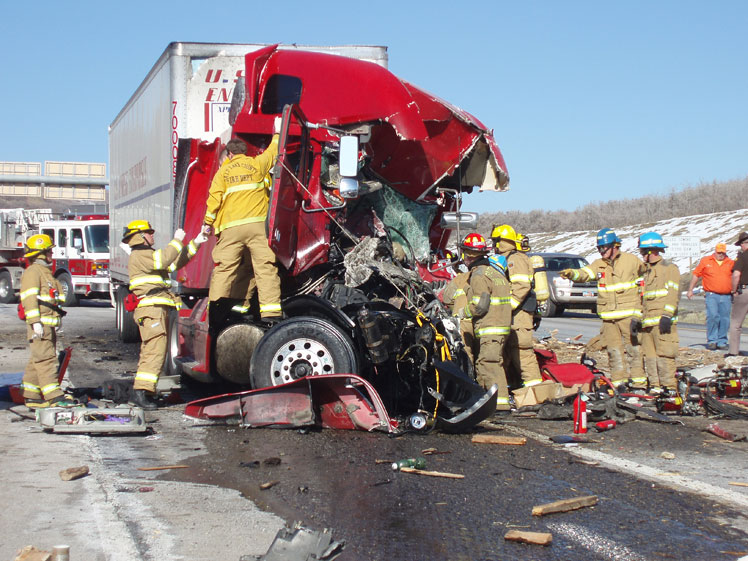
(126, 326)
(298, 347)
(68, 290)
(7, 294)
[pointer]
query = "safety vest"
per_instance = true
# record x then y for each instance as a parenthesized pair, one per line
(661, 292)
(496, 320)
(618, 285)
(39, 285)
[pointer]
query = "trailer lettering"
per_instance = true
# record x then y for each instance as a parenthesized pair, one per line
(210, 78)
(219, 95)
(133, 179)
(174, 138)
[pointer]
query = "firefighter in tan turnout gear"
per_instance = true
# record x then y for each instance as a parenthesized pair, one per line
(619, 277)
(149, 270)
(660, 309)
(519, 348)
(41, 296)
(236, 211)
(488, 307)
(455, 298)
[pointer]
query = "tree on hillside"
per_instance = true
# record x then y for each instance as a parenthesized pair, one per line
(704, 198)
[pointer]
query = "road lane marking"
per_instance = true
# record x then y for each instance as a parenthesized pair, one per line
(707, 490)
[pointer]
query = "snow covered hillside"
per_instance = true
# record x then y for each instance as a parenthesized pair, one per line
(709, 228)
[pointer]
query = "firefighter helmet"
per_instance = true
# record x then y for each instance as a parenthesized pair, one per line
(136, 227)
(523, 242)
(606, 236)
(651, 240)
(504, 232)
(474, 242)
(37, 244)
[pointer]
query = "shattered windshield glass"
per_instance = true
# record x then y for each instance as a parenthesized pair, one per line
(405, 218)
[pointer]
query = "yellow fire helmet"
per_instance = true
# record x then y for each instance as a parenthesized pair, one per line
(504, 232)
(136, 227)
(38, 243)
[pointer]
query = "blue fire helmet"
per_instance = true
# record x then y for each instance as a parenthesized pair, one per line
(651, 240)
(606, 236)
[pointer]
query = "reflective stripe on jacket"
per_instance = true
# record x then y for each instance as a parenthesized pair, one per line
(454, 296)
(149, 272)
(484, 279)
(238, 194)
(661, 292)
(38, 283)
(618, 285)
(520, 271)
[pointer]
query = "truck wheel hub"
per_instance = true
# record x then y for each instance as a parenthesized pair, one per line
(299, 358)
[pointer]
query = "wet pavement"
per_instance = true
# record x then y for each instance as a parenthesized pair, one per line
(330, 479)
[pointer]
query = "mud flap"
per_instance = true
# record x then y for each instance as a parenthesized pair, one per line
(464, 402)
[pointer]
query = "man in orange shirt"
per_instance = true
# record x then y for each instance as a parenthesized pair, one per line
(715, 272)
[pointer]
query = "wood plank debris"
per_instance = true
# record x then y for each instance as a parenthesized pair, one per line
(70, 474)
(268, 485)
(537, 538)
(564, 505)
(154, 468)
(432, 473)
(738, 484)
(499, 439)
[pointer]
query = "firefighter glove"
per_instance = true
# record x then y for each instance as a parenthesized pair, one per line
(666, 324)
(179, 235)
(636, 326)
(567, 273)
(201, 238)
(38, 329)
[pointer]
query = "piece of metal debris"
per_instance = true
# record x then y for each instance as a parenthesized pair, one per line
(300, 544)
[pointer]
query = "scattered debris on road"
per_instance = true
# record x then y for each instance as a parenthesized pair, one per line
(497, 439)
(299, 544)
(268, 484)
(536, 538)
(432, 473)
(70, 474)
(716, 430)
(564, 505)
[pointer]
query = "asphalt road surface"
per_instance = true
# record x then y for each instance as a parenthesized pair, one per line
(664, 491)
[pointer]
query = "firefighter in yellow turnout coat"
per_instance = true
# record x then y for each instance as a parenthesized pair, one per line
(519, 347)
(488, 307)
(149, 270)
(41, 296)
(660, 303)
(619, 277)
(236, 210)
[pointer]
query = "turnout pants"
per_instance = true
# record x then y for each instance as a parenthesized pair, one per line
(660, 350)
(466, 330)
(489, 367)
(227, 256)
(624, 353)
(519, 349)
(40, 377)
(152, 322)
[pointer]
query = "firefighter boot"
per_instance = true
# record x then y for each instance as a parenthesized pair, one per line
(143, 399)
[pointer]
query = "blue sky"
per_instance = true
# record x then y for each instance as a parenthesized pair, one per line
(589, 100)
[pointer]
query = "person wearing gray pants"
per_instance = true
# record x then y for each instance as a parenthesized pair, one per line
(739, 295)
